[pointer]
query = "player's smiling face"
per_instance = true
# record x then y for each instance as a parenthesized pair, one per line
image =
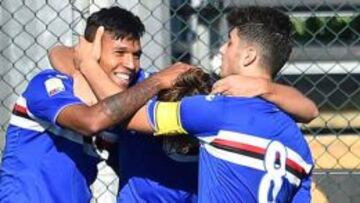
(120, 59)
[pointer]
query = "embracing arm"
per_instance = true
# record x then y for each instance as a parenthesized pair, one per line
(96, 77)
(62, 59)
(287, 98)
(292, 101)
(117, 108)
(140, 122)
(68, 59)
(177, 118)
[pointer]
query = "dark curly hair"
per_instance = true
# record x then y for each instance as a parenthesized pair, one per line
(118, 21)
(194, 81)
(268, 28)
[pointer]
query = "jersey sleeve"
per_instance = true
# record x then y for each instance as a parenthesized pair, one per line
(197, 115)
(48, 93)
(303, 195)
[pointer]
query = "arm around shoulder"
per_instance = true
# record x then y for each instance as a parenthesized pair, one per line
(292, 101)
(62, 59)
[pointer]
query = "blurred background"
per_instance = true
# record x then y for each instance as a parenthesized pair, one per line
(324, 65)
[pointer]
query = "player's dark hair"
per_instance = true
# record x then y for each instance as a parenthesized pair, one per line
(118, 21)
(192, 82)
(270, 29)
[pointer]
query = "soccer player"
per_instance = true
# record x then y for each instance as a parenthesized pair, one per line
(146, 171)
(251, 151)
(49, 155)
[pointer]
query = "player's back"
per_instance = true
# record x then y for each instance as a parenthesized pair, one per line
(257, 155)
(42, 161)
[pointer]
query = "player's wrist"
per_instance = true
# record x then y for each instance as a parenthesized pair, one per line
(88, 65)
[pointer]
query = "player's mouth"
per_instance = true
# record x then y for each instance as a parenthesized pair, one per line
(123, 78)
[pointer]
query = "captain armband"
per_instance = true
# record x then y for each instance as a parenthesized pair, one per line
(167, 119)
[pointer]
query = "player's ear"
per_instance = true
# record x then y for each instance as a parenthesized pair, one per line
(250, 55)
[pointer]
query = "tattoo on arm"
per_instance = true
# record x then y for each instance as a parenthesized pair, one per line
(121, 106)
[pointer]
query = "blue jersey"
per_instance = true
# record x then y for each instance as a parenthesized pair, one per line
(42, 161)
(250, 150)
(148, 172)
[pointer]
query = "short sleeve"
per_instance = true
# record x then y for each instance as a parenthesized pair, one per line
(48, 93)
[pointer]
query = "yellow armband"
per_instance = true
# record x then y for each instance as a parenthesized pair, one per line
(167, 119)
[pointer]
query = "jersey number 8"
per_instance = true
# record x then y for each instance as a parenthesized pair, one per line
(271, 182)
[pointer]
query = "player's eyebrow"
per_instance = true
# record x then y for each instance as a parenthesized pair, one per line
(121, 49)
(125, 49)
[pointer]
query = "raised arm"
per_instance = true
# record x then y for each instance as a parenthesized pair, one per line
(62, 59)
(287, 98)
(96, 77)
(68, 59)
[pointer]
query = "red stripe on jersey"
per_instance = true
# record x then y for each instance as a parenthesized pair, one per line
(295, 166)
(241, 146)
(258, 150)
(20, 109)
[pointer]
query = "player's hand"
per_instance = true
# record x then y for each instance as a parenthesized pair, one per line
(167, 77)
(88, 52)
(241, 86)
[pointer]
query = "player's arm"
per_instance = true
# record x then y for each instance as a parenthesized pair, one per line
(62, 59)
(292, 101)
(192, 115)
(140, 122)
(68, 59)
(117, 108)
(287, 98)
(96, 77)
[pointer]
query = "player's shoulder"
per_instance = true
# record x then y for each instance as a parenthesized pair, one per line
(205, 106)
(242, 104)
(49, 73)
(49, 76)
(210, 98)
(51, 80)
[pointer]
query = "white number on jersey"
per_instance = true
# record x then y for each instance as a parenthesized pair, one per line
(275, 162)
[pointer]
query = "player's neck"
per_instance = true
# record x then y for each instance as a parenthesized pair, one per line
(83, 90)
(257, 72)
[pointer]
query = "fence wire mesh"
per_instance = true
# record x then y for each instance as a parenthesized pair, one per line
(324, 66)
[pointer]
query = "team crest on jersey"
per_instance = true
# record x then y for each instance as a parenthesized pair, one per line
(61, 76)
(54, 86)
(210, 97)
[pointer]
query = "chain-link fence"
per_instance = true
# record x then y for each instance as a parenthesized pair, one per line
(324, 65)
